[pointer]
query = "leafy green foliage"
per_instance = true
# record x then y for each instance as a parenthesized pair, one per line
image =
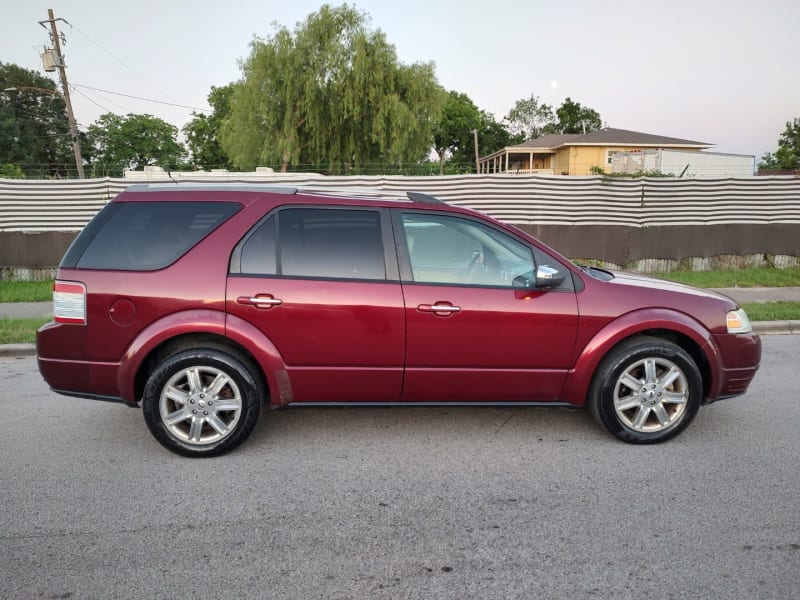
(574, 118)
(454, 140)
(530, 118)
(454, 129)
(9, 171)
(35, 140)
(203, 131)
(132, 142)
(330, 93)
(493, 136)
(787, 156)
(595, 170)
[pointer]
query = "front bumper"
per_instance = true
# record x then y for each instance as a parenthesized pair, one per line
(741, 357)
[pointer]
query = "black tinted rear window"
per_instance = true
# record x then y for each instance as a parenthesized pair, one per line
(145, 236)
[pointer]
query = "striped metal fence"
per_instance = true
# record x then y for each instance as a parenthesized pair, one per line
(617, 219)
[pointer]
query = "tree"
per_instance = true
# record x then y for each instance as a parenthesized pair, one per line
(132, 142)
(530, 118)
(453, 133)
(492, 136)
(574, 118)
(203, 131)
(787, 156)
(330, 94)
(34, 131)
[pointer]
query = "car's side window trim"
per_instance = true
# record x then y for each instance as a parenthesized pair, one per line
(404, 259)
(389, 255)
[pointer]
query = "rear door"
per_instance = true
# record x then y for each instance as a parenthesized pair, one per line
(322, 284)
(476, 331)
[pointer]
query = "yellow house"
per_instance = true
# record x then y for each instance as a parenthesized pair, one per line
(577, 153)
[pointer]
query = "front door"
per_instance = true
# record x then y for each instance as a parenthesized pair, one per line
(476, 330)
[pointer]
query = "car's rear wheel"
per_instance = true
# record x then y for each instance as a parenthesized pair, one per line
(202, 402)
(647, 390)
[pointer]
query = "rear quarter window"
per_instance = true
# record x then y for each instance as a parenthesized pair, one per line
(145, 236)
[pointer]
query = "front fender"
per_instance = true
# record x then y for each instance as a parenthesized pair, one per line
(579, 378)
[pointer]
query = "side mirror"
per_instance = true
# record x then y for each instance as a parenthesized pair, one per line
(548, 277)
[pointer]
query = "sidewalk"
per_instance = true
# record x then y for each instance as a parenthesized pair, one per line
(36, 310)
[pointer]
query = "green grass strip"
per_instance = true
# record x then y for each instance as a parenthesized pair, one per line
(26, 291)
(19, 331)
(773, 311)
(763, 277)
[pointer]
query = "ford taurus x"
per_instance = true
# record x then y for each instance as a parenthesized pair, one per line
(203, 304)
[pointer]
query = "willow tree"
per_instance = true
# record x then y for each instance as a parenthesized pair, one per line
(332, 94)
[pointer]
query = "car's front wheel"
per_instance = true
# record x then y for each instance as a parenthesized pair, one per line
(647, 390)
(202, 402)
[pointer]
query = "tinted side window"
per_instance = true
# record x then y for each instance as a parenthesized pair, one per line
(444, 249)
(258, 251)
(145, 236)
(331, 243)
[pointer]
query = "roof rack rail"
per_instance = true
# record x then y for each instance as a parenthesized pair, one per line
(421, 198)
(211, 187)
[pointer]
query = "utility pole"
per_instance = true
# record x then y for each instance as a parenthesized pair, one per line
(477, 156)
(73, 126)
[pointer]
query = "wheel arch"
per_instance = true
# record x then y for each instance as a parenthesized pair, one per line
(191, 328)
(186, 341)
(666, 324)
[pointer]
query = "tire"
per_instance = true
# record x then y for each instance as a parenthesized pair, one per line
(202, 402)
(646, 390)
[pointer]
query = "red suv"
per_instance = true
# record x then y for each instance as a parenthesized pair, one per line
(200, 303)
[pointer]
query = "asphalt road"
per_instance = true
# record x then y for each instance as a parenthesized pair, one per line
(403, 503)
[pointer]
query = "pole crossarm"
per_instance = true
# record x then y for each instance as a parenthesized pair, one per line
(25, 88)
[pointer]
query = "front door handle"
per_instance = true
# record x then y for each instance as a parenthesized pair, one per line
(440, 308)
(259, 301)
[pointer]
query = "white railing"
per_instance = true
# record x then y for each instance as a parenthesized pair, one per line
(528, 172)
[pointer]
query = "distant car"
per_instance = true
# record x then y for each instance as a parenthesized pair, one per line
(202, 303)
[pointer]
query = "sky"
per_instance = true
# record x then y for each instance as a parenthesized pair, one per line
(724, 72)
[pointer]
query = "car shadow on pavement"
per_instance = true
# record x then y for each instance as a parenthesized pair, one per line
(425, 425)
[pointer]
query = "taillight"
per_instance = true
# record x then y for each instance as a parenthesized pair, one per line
(69, 302)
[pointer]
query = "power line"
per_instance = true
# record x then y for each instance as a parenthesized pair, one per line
(108, 110)
(88, 87)
(119, 60)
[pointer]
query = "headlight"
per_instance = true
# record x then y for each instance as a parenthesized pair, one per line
(738, 322)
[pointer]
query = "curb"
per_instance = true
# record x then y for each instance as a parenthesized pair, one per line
(776, 327)
(760, 327)
(17, 350)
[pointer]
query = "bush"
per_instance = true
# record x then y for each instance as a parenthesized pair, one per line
(9, 171)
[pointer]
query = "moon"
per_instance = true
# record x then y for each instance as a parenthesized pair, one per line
(554, 84)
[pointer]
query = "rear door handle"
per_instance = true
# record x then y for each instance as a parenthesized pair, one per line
(259, 301)
(439, 308)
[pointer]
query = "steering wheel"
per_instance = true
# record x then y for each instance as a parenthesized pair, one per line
(483, 267)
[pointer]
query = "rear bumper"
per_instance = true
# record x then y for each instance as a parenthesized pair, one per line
(91, 396)
(82, 379)
(65, 376)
